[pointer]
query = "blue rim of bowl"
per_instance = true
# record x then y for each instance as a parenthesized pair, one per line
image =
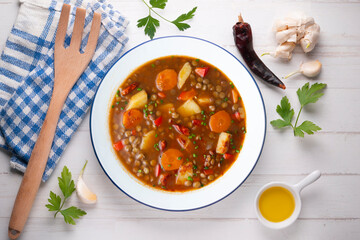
(207, 205)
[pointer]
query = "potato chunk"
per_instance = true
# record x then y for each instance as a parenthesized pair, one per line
(223, 143)
(148, 140)
(185, 171)
(165, 107)
(189, 108)
(138, 100)
(183, 75)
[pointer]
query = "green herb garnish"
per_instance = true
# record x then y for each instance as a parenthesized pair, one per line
(151, 23)
(67, 187)
(306, 95)
(156, 146)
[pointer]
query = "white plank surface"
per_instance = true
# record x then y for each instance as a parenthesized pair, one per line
(331, 208)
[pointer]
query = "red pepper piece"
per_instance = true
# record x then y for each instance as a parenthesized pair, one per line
(196, 122)
(158, 121)
(157, 170)
(208, 171)
(181, 129)
(161, 95)
(127, 90)
(133, 132)
(237, 116)
(162, 145)
(228, 156)
(196, 179)
(202, 71)
(118, 145)
(187, 95)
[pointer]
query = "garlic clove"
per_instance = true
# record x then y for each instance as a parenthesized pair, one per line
(284, 50)
(82, 190)
(283, 36)
(311, 69)
(310, 38)
(292, 38)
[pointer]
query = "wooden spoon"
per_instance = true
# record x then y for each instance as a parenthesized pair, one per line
(69, 64)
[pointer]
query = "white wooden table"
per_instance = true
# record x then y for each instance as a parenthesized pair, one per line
(331, 206)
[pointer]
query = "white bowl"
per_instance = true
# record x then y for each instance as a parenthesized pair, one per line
(255, 123)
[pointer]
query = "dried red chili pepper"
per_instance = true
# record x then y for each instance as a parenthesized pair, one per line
(127, 90)
(243, 40)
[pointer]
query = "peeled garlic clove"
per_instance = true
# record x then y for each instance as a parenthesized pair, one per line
(310, 38)
(283, 36)
(82, 190)
(308, 69)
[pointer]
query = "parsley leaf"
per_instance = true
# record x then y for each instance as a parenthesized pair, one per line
(158, 3)
(183, 17)
(66, 184)
(306, 126)
(151, 23)
(67, 187)
(286, 112)
(306, 94)
(55, 201)
(278, 123)
(71, 213)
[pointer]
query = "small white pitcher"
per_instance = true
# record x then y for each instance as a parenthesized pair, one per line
(295, 191)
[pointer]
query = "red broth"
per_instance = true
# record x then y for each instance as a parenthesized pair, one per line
(177, 139)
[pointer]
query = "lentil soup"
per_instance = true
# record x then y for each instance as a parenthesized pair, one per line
(177, 123)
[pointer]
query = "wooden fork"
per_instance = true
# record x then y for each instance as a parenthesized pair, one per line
(69, 64)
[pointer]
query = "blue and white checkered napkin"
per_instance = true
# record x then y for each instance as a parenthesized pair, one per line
(27, 73)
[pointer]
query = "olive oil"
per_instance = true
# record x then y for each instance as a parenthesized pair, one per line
(276, 204)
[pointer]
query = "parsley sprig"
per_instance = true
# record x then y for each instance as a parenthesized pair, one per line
(151, 23)
(306, 95)
(67, 187)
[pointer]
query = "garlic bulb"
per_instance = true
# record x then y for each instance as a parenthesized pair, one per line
(308, 69)
(82, 190)
(296, 28)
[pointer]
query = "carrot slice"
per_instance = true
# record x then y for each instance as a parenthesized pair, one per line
(166, 80)
(220, 122)
(132, 118)
(171, 159)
